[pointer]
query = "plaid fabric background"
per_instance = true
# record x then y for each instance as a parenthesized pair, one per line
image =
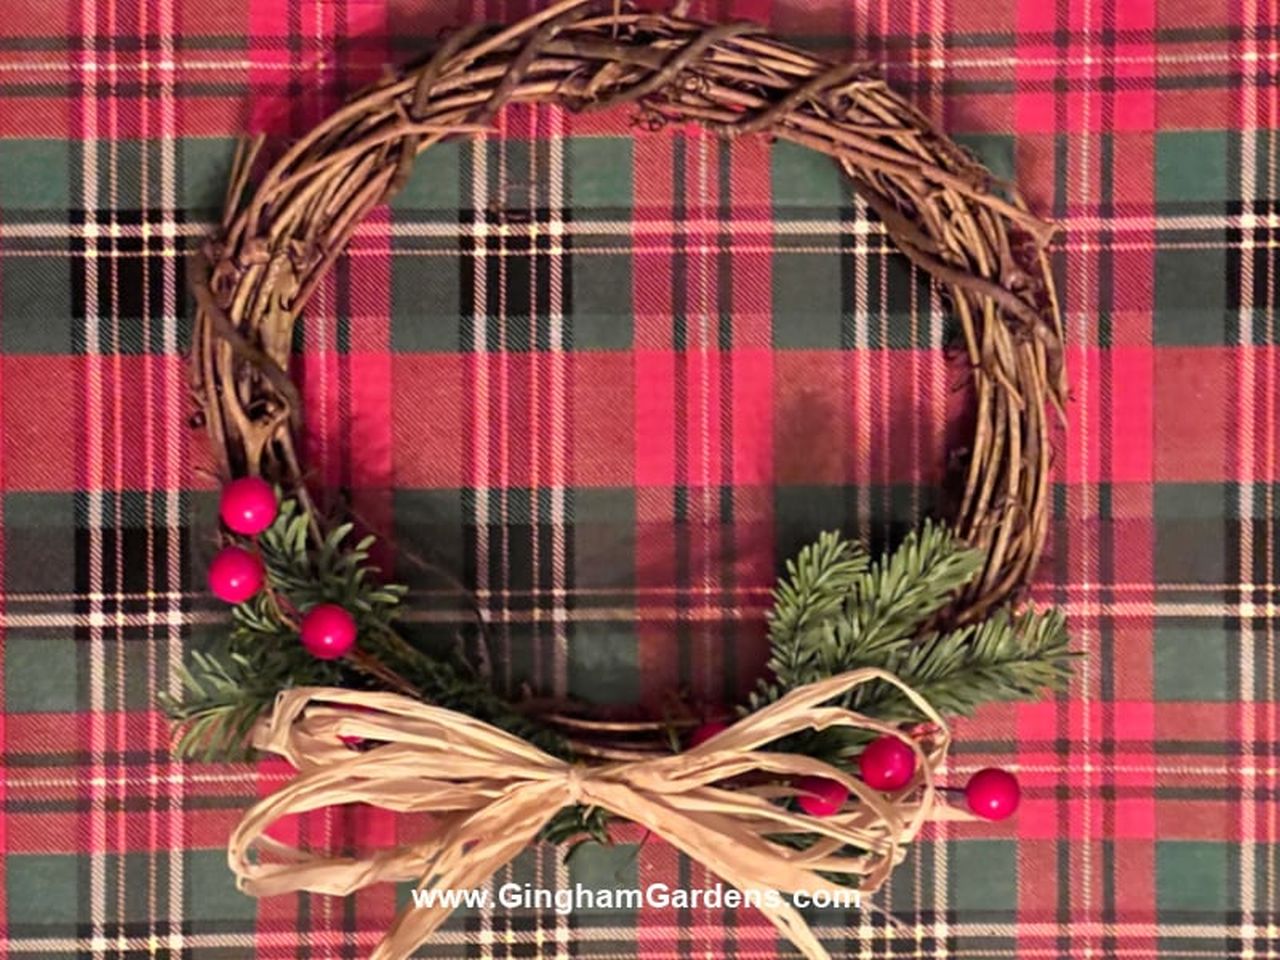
(611, 379)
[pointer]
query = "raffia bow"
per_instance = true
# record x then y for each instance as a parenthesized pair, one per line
(491, 794)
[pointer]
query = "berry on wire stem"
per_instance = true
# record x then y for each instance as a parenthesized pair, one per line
(993, 793)
(248, 505)
(887, 763)
(328, 631)
(235, 574)
(820, 796)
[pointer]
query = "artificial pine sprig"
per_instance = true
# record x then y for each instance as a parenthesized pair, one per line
(336, 572)
(898, 594)
(225, 691)
(835, 609)
(1006, 657)
(818, 582)
(223, 697)
(833, 612)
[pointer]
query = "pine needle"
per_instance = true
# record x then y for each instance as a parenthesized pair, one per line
(226, 692)
(834, 611)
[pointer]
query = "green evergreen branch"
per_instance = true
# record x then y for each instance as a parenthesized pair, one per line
(225, 693)
(222, 700)
(1004, 658)
(819, 581)
(834, 610)
(898, 595)
(828, 620)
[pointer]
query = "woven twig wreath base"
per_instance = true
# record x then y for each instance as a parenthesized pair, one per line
(943, 210)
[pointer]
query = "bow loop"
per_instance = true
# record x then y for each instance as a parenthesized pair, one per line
(491, 793)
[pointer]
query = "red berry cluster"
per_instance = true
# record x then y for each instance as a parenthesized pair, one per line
(888, 763)
(249, 506)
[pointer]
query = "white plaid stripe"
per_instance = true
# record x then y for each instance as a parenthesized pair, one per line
(168, 822)
(94, 407)
(1087, 156)
(561, 442)
(1245, 424)
(753, 943)
(933, 15)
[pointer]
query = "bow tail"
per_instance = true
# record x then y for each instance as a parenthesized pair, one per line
(466, 856)
(730, 851)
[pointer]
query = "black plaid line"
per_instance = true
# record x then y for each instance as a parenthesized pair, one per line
(130, 276)
(133, 582)
(519, 264)
(1255, 246)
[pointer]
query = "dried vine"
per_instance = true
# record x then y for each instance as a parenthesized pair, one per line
(943, 210)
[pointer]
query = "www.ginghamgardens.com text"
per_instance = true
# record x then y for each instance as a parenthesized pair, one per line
(567, 900)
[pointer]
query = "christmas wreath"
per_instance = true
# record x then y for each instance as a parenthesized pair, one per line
(828, 770)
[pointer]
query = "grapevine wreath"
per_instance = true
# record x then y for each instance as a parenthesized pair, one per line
(828, 772)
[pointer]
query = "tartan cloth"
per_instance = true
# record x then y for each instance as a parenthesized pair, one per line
(611, 378)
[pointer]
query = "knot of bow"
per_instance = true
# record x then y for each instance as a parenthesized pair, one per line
(491, 793)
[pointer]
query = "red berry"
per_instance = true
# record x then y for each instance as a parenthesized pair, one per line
(887, 763)
(819, 796)
(328, 631)
(993, 793)
(235, 574)
(705, 732)
(248, 505)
